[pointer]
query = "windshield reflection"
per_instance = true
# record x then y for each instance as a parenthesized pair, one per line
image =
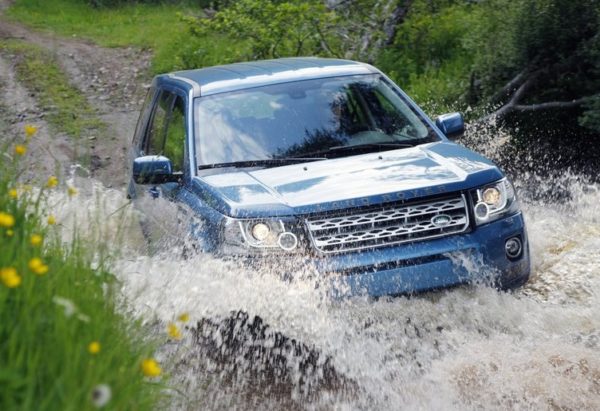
(302, 118)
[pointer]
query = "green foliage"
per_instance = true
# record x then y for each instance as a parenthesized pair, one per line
(114, 3)
(52, 310)
(591, 117)
(268, 29)
(556, 45)
(461, 53)
(121, 3)
(551, 38)
(188, 52)
(213, 4)
(430, 57)
(448, 54)
(67, 109)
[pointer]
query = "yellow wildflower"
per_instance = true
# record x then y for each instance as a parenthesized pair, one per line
(30, 130)
(20, 149)
(72, 191)
(51, 220)
(52, 182)
(6, 220)
(34, 263)
(12, 193)
(36, 240)
(10, 277)
(41, 270)
(150, 368)
(94, 347)
(173, 331)
(184, 317)
(37, 266)
(10, 233)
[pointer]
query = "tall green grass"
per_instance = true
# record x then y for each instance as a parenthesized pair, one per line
(63, 344)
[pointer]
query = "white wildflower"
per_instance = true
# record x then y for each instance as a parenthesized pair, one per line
(101, 395)
(83, 318)
(68, 305)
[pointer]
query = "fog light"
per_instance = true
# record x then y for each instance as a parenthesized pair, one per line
(513, 247)
(482, 211)
(287, 241)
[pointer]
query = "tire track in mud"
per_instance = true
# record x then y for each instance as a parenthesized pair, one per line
(113, 81)
(17, 108)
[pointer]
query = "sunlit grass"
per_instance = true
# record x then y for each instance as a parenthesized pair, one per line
(156, 27)
(137, 25)
(63, 345)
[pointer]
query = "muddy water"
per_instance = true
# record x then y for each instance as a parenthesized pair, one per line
(255, 341)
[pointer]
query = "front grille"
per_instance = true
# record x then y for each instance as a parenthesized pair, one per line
(389, 224)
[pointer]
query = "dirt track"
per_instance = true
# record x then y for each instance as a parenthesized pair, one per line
(114, 82)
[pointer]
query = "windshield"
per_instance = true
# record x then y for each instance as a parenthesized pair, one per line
(305, 118)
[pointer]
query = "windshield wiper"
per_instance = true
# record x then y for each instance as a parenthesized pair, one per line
(367, 147)
(259, 163)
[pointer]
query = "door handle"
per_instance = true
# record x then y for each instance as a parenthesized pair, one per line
(154, 192)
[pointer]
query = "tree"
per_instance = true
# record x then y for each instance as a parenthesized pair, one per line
(368, 25)
(549, 58)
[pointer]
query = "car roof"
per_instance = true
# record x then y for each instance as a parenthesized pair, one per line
(238, 76)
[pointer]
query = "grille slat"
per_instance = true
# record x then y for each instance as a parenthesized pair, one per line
(389, 225)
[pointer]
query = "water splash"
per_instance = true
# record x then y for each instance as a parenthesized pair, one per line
(256, 341)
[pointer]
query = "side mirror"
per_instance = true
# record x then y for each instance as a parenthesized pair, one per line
(153, 170)
(451, 124)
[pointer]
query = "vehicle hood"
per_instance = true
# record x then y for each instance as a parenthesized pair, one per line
(326, 185)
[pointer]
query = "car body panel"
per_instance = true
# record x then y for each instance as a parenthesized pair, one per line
(360, 180)
(239, 76)
(476, 256)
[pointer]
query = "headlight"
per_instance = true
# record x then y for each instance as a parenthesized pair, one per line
(492, 196)
(255, 237)
(260, 232)
(494, 201)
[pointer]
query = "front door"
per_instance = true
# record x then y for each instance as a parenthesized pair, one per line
(165, 135)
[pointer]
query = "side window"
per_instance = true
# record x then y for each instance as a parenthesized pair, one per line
(155, 136)
(166, 134)
(175, 141)
(142, 120)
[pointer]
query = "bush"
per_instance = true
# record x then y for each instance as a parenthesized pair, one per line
(430, 57)
(267, 29)
(210, 4)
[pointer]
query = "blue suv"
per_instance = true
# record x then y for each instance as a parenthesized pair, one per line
(326, 162)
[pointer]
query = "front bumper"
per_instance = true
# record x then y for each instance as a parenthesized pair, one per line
(477, 256)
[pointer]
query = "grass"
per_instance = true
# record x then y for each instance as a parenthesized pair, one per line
(66, 108)
(156, 27)
(53, 308)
